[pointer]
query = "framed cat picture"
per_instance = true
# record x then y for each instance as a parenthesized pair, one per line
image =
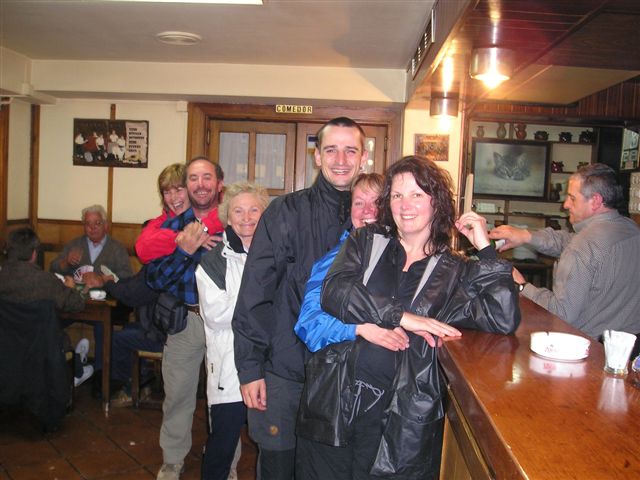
(510, 169)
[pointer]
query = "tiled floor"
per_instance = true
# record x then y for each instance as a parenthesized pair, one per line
(90, 445)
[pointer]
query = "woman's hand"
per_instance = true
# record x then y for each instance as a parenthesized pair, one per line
(393, 340)
(427, 327)
(474, 227)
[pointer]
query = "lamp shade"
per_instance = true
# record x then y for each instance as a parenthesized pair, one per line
(491, 65)
(444, 106)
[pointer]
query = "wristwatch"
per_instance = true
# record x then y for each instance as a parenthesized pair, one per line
(520, 286)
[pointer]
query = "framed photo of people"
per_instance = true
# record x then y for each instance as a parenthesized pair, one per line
(510, 169)
(111, 143)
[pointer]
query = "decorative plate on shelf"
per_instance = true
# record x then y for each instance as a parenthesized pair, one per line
(560, 346)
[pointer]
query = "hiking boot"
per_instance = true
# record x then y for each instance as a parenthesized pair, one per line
(170, 471)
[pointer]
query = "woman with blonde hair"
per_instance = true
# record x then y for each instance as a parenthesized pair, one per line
(218, 277)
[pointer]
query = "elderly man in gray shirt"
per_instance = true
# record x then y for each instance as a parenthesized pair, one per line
(595, 285)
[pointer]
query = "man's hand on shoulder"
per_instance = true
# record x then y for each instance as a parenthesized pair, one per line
(192, 237)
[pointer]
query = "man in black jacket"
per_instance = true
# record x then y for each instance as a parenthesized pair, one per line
(294, 231)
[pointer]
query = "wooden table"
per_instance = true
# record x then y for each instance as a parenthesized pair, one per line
(514, 414)
(104, 311)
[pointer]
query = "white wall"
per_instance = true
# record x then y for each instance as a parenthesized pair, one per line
(64, 189)
(19, 160)
(15, 71)
(190, 80)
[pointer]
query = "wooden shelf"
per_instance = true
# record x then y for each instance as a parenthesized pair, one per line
(536, 215)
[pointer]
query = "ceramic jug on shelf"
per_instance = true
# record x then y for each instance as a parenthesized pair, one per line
(521, 131)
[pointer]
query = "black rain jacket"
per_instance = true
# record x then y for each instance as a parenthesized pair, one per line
(294, 231)
(464, 293)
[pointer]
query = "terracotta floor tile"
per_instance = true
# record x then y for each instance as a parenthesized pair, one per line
(90, 445)
(139, 442)
(98, 464)
(27, 453)
(59, 469)
(74, 441)
(137, 474)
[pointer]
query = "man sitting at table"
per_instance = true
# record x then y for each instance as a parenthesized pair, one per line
(92, 251)
(595, 285)
(23, 281)
(95, 248)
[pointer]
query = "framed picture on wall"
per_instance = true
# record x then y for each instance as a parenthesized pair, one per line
(111, 143)
(510, 169)
(433, 147)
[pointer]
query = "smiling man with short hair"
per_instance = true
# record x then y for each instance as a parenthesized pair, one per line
(294, 231)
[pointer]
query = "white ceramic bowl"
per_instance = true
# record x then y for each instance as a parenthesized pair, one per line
(555, 368)
(97, 294)
(560, 346)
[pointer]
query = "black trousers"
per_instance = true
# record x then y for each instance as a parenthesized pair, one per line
(319, 461)
(227, 420)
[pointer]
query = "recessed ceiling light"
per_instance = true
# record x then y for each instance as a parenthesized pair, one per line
(178, 38)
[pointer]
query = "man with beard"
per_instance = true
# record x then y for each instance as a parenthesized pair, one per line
(294, 231)
(184, 351)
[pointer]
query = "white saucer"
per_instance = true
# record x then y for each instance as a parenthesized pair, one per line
(97, 294)
(560, 346)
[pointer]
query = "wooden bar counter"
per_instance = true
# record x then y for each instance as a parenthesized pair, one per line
(514, 414)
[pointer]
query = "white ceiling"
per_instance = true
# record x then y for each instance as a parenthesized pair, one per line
(338, 33)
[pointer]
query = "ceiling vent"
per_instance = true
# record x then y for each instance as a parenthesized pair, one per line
(178, 38)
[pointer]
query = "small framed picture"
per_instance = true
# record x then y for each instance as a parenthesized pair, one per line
(432, 147)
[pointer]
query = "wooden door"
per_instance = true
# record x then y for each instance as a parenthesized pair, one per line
(260, 152)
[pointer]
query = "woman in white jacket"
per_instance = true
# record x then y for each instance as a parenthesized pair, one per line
(218, 277)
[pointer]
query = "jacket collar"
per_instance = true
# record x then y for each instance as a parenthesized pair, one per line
(233, 240)
(336, 200)
(600, 217)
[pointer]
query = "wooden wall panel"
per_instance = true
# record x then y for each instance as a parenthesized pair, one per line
(56, 233)
(4, 167)
(615, 104)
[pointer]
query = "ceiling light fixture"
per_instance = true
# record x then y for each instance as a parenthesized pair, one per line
(178, 38)
(491, 65)
(444, 105)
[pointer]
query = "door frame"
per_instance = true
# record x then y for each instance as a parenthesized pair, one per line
(388, 114)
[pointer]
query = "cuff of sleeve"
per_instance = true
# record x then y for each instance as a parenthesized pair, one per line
(182, 253)
(250, 375)
(487, 253)
(392, 314)
(351, 331)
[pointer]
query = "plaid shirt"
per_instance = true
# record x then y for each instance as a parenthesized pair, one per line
(175, 273)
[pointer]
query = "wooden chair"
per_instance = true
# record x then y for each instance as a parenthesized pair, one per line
(155, 357)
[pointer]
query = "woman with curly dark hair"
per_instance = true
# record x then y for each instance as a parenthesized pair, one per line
(374, 412)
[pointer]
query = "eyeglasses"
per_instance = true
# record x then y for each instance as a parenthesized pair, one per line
(99, 223)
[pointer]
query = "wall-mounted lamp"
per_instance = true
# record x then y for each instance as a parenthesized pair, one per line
(444, 105)
(491, 65)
